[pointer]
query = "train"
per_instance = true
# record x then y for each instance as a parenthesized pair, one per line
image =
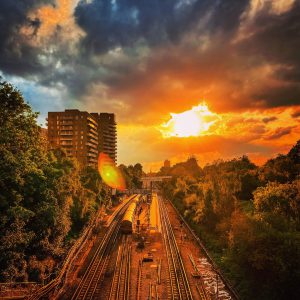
(128, 219)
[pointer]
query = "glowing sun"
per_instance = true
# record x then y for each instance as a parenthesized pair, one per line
(193, 122)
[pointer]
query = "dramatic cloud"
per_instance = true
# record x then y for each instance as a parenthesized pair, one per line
(17, 55)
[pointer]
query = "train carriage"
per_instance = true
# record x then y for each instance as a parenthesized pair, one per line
(128, 219)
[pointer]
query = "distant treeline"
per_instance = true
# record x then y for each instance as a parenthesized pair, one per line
(45, 198)
(248, 217)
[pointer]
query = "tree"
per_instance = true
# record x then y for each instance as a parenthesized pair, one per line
(281, 169)
(132, 175)
(279, 200)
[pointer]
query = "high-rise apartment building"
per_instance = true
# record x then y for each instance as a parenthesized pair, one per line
(107, 134)
(77, 133)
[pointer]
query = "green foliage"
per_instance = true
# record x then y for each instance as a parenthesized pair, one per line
(281, 201)
(187, 168)
(132, 175)
(256, 242)
(280, 169)
(44, 196)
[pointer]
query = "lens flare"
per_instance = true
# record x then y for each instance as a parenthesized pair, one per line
(109, 173)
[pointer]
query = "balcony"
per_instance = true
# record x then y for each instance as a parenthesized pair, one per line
(109, 144)
(66, 118)
(66, 143)
(66, 123)
(93, 131)
(92, 120)
(92, 125)
(109, 135)
(91, 144)
(93, 150)
(66, 138)
(66, 127)
(95, 143)
(66, 132)
(112, 141)
(93, 136)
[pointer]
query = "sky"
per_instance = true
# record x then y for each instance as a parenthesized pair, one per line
(209, 78)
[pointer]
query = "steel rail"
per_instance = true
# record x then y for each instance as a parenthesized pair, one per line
(88, 285)
(210, 259)
(139, 280)
(180, 288)
(116, 274)
(120, 287)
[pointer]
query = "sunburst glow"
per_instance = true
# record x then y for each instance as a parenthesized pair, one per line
(110, 174)
(193, 122)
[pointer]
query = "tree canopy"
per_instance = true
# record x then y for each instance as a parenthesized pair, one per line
(45, 197)
(249, 219)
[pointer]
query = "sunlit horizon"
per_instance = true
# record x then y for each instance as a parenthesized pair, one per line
(189, 123)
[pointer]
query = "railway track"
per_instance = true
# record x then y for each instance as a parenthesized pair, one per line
(202, 247)
(120, 288)
(179, 284)
(89, 286)
(139, 280)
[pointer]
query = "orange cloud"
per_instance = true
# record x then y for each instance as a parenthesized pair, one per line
(52, 16)
(56, 19)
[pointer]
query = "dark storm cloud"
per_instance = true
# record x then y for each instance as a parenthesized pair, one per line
(16, 55)
(284, 95)
(273, 39)
(111, 24)
(276, 40)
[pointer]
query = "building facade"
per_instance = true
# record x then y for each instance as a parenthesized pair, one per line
(107, 134)
(77, 133)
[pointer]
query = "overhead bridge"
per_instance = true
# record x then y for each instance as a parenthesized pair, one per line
(148, 182)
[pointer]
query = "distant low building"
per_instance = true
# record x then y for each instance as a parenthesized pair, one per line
(167, 164)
